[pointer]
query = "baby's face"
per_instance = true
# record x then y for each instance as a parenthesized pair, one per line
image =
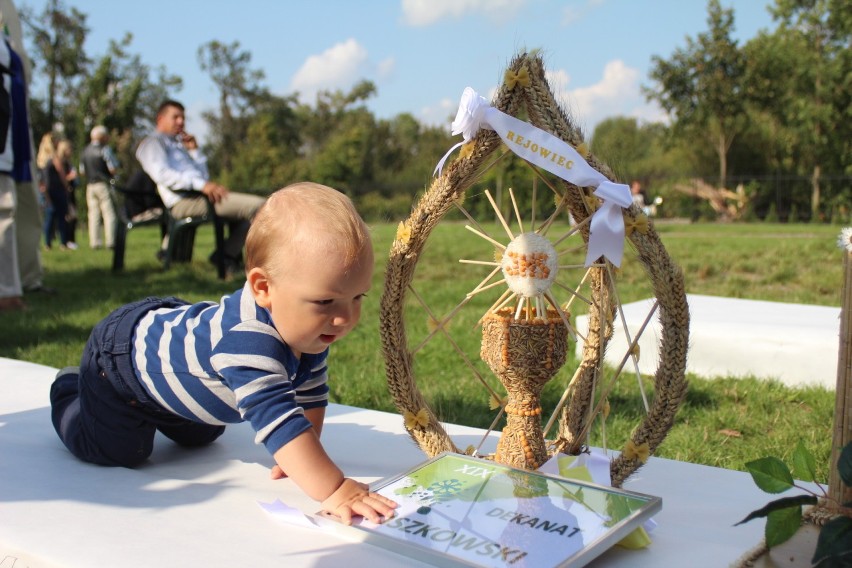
(315, 300)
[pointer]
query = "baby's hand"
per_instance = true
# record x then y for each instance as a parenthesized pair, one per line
(277, 472)
(353, 497)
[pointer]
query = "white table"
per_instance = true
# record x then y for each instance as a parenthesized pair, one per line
(199, 508)
(728, 337)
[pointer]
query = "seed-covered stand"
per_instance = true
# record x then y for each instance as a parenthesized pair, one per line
(524, 354)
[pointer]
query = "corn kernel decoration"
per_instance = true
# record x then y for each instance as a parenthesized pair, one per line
(529, 265)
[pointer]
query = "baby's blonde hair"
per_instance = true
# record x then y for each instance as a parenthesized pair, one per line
(309, 216)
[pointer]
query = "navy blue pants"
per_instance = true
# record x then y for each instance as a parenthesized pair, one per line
(103, 415)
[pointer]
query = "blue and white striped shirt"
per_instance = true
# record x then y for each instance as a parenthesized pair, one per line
(226, 363)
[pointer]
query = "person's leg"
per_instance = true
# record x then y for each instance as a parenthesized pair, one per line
(238, 210)
(49, 213)
(191, 434)
(108, 214)
(94, 422)
(71, 219)
(28, 228)
(62, 226)
(95, 219)
(10, 281)
(189, 207)
(59, 208)
(101, 412)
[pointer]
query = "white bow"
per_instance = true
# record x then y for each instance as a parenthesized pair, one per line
(556, 156)
(606, 231)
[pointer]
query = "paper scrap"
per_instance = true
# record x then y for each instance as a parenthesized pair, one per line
(287, 514)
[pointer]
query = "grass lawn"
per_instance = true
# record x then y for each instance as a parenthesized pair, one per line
(724, 422)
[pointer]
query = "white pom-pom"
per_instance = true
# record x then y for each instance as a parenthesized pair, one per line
(844, 241)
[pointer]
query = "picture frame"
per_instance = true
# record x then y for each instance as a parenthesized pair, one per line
(457, 510)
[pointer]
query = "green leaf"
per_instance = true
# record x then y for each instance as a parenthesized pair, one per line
(844, 465)
(804, 465)
(779, 504)
(781, 525)
(834, 543)
(770, 474)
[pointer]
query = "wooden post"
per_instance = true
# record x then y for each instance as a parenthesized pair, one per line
(842, 434)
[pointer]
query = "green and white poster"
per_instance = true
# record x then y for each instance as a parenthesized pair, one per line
(460, 510)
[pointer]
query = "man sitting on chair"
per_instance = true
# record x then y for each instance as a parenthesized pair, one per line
(173, 160)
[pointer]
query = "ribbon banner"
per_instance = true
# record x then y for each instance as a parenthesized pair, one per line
(606, 231)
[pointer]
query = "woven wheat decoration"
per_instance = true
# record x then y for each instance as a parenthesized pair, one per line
(534, 272)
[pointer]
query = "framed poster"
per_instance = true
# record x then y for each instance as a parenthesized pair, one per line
(457, 510)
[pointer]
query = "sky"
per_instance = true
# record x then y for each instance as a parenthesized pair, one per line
(421, 54)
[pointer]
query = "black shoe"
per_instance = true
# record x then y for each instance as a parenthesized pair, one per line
(161, 255)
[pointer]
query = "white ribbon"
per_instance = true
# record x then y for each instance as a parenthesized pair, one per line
(606, 231)
(548, 152)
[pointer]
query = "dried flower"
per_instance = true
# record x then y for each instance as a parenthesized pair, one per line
(591, 202)
(633, 452)
(640, 224)
(494, 403)
(403, 233)
(522, 78)
(844, 241)
(420, 419)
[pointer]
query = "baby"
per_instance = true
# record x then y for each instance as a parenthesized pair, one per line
(258, 355)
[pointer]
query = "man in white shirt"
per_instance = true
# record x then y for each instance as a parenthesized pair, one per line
(173, 160)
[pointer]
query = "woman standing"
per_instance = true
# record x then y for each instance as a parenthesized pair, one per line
(54, 190)
(72, 180)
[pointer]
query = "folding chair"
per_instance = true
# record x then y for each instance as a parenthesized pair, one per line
(180, 231)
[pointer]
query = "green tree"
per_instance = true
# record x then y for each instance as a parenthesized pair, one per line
(800, 77)
(701, 85)
(122, 93)
(270, 157)
(620, 142)
(58, 34)
(338, 135)
(345, 159)
(406, 153)
(239, 86)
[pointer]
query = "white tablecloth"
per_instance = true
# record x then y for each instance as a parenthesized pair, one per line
(794, 343)
(199, 507)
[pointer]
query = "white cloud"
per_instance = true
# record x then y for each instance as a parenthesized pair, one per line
(386, 68)
(335, 68)
(440, 115)
(427, 12)
(573, 14)
(618, 93)
(558, 80)
(618, 81)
